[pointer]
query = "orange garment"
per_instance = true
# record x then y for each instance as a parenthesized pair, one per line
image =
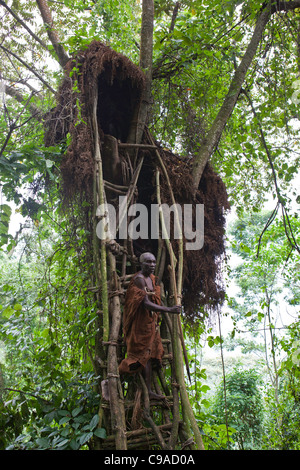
(140, 328)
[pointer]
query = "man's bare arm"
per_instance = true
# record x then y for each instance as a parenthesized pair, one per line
(141, 283)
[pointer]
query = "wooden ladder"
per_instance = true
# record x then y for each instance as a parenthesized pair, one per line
(132, 420)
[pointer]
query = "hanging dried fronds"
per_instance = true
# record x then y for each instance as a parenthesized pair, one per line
(119, 84)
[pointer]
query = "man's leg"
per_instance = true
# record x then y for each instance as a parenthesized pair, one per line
(147, 374)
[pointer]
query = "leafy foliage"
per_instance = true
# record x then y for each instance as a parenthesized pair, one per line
(268, 270)
(241, 408)
(268, 285)
(47, 328)
(283, 409)
(63, 421)
(48, 318)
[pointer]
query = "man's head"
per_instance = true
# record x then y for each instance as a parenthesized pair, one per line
(148, 263)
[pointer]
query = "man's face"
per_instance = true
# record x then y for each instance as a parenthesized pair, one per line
(148, 264)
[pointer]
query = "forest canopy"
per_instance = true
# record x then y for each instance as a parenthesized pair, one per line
(219, 86)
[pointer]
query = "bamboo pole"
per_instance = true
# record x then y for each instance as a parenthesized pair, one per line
(147, 416)
(162, 221)
(100, 184)
(177, 221)
(97, 270)
(140, 436)
(178, 285)
(176, 404)
(130, 193)
(177, 338)
(180, 266)
(115, 390)
(136, 146)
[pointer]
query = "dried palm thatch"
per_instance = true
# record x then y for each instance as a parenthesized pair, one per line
(203, 288)
(119, 84)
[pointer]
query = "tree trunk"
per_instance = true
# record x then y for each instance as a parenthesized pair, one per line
(230, 100)
(213, 137)
(141, 112)
(52, 34)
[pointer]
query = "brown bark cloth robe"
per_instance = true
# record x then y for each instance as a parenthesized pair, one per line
(140, 328)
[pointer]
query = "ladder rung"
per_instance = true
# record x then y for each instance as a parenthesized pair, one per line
(143, 146)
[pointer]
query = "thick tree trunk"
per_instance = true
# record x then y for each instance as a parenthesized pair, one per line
(141, 113)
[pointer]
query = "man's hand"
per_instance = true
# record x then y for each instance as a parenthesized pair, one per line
(175, 309)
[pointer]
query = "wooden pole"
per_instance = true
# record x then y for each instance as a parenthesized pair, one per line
(177, 341)
(100, 188)
(114, 386)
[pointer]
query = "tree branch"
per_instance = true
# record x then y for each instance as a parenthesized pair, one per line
(52, 33)
(24, 25)
(230, 100)
(215, 132)
(13, 127)
(21, 82)
(284, 6)
(27, 393)
(28, 67)
(34, 111)
(174, 16)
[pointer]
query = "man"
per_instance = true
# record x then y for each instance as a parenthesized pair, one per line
(140, 322)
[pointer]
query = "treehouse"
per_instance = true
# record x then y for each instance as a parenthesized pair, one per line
(97, 115)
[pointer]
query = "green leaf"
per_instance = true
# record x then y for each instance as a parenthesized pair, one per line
(76, 411)
(64, 420)
(62, 443)
(7, 312)
(85, 438)
(100, 432)
(6, 209)
(94, 422)
(18, 307)
(80, 419)
(260, 316)
(74, 444)
(43, 442)
(65, 432)
(205, 403)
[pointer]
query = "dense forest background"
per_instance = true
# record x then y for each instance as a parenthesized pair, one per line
(225, 88)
